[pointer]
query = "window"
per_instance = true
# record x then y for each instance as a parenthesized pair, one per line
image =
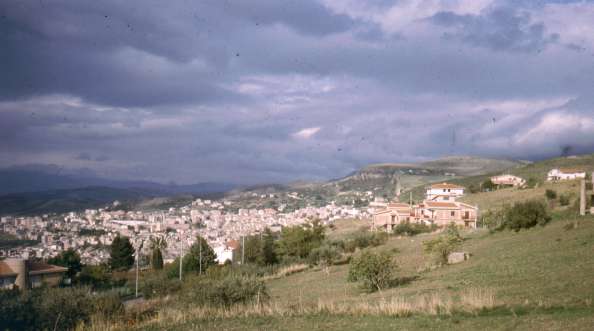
(446, 198)
(453, 213)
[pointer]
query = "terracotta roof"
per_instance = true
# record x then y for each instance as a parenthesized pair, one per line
(398, 205)
(571, 170)
(446, 185)
(5, 270)
(435, 204)
(37, 268)
(233, 244)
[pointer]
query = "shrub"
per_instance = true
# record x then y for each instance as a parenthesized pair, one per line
(364, 240)
(412, 229)
(374, 270)
(550, 194)
(445, 244)
(159, 286)
(298, 241)
(524, 215)
(225, 292)
(564, 200)
(324, 255)
(488, 186)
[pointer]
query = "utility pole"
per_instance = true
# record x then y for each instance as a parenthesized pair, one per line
(242, 249)
(138, 248)
(200, 272)
(181, 256)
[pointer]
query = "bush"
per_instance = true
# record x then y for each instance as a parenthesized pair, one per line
(445, 244)
(550, 194)
(159, 286)
(364, 240)
(324, 255)
(488, 186)
(412, 229)
(524, 215)
(564, 200)
(374, 270)
(225, 292)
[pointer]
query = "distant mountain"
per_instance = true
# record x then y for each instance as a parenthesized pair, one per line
(61, 201)
(47, 178)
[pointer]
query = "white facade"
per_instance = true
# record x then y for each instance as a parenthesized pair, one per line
(565, 174)
(224, 254)
(443, 192)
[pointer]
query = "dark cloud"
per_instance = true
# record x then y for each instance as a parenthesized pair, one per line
(265, 90)
(497, 28)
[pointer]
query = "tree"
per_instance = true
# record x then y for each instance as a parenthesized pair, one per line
(200, 257)
(524, 215)
(69, 259)
(373, 270)
(551, 194)
(488, 185)
(298, 241)
(122, 254)
(157, 244)
(268, 250)
(252, 249)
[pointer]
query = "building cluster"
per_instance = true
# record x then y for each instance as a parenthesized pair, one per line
(91, 232)
(440, 207)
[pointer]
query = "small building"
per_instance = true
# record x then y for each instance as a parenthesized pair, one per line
(26, 274)
(508, 180)
(565, 174)
(443, 192)
(227, 251)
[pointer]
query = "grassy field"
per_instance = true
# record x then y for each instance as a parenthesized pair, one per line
(540, 279)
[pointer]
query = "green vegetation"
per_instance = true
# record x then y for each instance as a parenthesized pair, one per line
(442, 246)
(157, 244)
(524, 215)
(298, 241)
(374, 270)
(69, 259)
(412, 229)
(121, 254)
(551, 194)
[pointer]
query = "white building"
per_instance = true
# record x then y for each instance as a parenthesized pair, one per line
(508, 180)
(565, 174)
(443, 192)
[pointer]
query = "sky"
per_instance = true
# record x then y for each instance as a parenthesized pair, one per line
(265, 91)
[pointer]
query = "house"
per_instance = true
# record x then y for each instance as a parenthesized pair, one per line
(226, 252)
(565, 174)
(508, 180)
(26, 274)
(443, 192)
(392, 215)
(442, 213)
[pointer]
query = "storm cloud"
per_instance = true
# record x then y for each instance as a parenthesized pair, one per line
(274, 90)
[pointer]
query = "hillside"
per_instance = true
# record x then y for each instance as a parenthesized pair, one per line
(537, 170)
(539, 279)
(379, 179)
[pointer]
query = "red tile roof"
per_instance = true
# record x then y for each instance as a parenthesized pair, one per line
(435, 204)
(37, 268)
(5, 270)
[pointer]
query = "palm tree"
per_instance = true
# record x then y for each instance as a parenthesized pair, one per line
(157, 245)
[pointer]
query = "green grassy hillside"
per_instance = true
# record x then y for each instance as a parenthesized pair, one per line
(540, 279)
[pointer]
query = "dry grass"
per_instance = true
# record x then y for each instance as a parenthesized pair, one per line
(286, 271)
(472, 301)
